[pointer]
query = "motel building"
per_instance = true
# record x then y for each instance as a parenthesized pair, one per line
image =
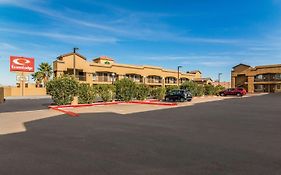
(257, 79)
(104, 70)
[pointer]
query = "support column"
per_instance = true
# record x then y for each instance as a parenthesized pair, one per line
(163, 81)
(251, 87)
(144, 80)
(89, 78)
(233, 82)
(120, 77)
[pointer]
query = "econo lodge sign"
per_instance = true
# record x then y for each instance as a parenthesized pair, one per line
(21, 64)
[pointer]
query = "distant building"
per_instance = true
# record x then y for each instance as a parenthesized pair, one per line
(223, 84)
(104, 70)
(203, 81)
(257, 79)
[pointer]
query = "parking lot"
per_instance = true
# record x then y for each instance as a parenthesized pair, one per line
(211, 136)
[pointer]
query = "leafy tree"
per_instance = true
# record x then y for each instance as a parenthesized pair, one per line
(125, 89)
(141, 92)
(86, 94)
(105, 91)
(62, 89)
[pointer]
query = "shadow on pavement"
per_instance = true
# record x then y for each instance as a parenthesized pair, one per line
(14, 105)
(234, 136)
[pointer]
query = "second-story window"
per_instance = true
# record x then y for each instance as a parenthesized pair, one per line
(259, 77)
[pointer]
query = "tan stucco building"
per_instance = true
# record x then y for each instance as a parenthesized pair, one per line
(105, 70)
(257, 79)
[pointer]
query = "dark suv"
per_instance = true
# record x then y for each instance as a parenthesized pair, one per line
(178, 95)
(233, 91)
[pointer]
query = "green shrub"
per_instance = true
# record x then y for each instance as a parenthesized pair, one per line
(190, 86)
(194, 88)
(105, 91)
(86, 94)
(200, 90)
(125, 89)
(62, 89)
(209, 89)
(170, 88)
(218, 88)
(141, 91)
(158, 93)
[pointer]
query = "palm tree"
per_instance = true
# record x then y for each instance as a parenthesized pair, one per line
(44, 73)
(37, 77)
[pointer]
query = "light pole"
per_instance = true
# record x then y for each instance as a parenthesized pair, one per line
(219, 78)
(74, 65)
(179, 75)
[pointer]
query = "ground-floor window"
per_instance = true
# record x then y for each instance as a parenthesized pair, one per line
(259, 88)
(94, 77)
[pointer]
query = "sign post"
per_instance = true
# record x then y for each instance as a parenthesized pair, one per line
(21, 65)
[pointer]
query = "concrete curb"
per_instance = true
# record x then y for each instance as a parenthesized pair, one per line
(72, 114)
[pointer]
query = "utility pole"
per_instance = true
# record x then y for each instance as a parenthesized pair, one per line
(219, 78)
(74, 65)
(179, 75)
(22, 79)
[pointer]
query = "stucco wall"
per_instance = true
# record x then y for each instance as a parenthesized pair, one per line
(1, 94)
(30, 91)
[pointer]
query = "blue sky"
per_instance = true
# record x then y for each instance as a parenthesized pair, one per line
(208, 35)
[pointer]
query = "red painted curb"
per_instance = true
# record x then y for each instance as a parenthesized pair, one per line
(73, 114)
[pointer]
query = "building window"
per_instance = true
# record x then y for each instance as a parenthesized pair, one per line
(278, 86)
(259, 77)
(277, 76)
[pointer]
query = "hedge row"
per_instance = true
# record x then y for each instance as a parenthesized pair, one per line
(63, 89)
(200, 90)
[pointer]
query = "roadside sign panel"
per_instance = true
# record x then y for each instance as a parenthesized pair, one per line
(24, 78)
(21, 64)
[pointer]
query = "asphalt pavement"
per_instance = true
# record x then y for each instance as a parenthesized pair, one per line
(25, 104)
(240, 136)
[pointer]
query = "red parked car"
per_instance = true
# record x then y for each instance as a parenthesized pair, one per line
(233, 91)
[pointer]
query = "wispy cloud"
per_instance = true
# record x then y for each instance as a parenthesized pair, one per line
(216, 63)
(130, 24)
(262, 48)
(7, 46)
(62, 37)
